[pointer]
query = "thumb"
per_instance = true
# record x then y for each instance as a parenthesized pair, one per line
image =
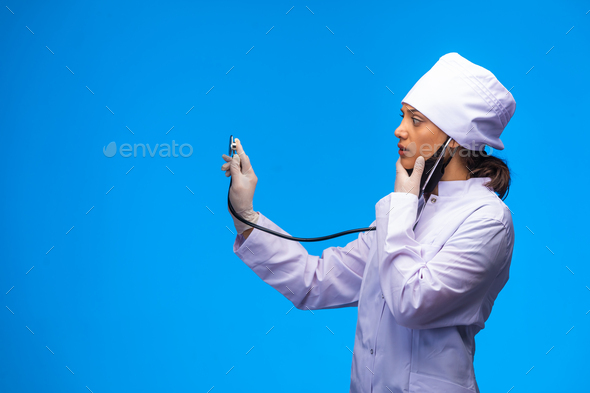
(234, 167)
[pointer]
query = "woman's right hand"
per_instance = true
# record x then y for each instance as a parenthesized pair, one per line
(244, 181)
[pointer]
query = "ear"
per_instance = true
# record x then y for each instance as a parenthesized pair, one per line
(453, 144)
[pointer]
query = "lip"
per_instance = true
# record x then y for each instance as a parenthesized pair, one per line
(402, 150)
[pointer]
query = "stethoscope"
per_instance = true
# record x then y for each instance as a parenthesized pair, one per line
(232, 151)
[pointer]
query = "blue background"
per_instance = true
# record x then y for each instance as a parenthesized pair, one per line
(145, 292)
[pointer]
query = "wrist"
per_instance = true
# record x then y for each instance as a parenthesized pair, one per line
(250, 216)
(247, 232)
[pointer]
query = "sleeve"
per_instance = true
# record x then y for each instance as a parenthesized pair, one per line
(331, 280)
(447, 290)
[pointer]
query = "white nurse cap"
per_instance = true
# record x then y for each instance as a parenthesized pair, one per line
(465, 101)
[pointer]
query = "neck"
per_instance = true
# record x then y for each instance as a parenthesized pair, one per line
(455, 170)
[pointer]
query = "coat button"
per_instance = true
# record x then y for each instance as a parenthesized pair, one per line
(432, 200)
(382, 296)
(371, 351)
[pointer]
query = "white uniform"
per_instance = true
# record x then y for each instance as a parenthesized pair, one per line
(422, 294)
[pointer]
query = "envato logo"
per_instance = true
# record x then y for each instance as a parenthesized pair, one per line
(165, 150)
(429, 150)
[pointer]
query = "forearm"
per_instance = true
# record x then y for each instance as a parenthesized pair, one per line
(308, 281)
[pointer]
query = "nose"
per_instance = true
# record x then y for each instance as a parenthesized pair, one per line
(400, 133)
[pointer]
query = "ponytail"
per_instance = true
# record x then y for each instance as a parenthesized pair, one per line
(481, 164)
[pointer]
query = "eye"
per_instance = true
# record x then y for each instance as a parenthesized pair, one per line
(413, 118)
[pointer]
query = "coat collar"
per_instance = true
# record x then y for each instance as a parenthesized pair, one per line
(460, 188)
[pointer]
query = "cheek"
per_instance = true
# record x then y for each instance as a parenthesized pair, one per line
(413, 150)
(426, 148)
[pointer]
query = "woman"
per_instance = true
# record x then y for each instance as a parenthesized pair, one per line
(426, 279)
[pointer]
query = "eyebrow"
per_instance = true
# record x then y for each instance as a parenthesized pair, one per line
(414, 111)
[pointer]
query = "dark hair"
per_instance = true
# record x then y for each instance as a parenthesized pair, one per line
(481, 164)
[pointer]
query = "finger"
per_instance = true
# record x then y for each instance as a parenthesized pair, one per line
(227, 174)
(225, 166)
(418, 167)
(235, 165)
(239, 147)
(243, 157)
(226, 157)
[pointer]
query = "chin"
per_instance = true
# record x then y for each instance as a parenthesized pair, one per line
(408, 162)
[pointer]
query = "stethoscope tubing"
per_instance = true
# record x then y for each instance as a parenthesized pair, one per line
(293, 238)
(321, 238)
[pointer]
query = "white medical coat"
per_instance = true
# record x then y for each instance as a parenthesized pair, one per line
(422, 294)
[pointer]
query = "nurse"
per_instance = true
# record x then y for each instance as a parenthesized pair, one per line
(424, 283)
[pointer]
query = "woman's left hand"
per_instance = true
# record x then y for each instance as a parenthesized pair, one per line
(405, 183)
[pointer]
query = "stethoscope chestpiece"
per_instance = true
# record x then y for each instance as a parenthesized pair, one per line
(232, 146)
